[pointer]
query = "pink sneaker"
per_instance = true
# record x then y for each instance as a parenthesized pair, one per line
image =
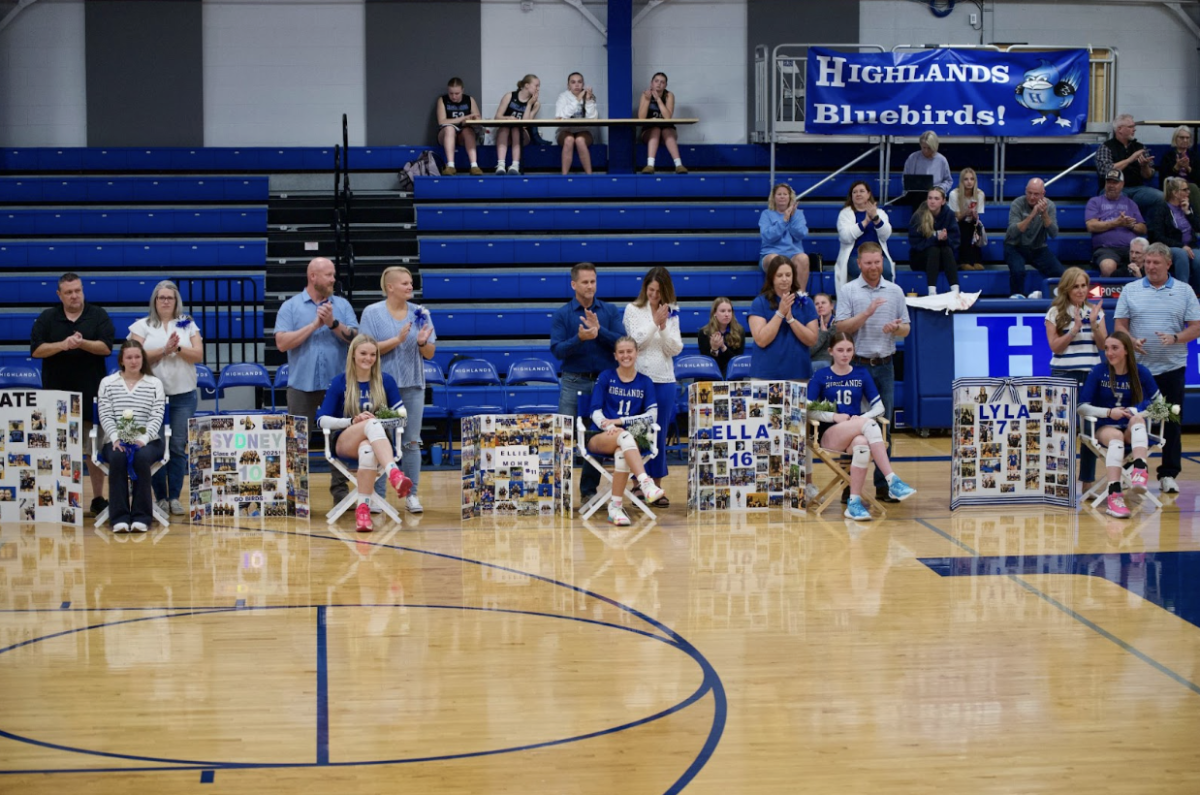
(1116, 506)
(362, 518)
(1138, 478)
(400, 482)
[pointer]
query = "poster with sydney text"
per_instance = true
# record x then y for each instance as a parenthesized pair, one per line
(949, 91)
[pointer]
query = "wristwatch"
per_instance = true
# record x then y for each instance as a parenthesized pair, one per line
(333, 326)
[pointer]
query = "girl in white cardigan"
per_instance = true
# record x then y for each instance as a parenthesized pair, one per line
(577, 102)
(653, 322)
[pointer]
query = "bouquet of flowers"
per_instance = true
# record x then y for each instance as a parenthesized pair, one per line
(392, 419)
(1160, 410)
(822, 405)
(128, 432)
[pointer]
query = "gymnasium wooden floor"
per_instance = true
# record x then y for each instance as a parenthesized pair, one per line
(981, 652)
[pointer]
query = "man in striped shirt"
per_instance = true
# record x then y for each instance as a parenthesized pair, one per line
(1163, 316)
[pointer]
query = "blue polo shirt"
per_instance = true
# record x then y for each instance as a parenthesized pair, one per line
(1167, 309)
(585, 356)
(313, 364)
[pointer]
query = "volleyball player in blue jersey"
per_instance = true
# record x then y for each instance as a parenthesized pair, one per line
(1116, 393)
(622, 398)
(850, 428)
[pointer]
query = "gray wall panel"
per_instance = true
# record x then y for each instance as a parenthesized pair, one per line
(144, 73)
(773, 22)
(413, 48)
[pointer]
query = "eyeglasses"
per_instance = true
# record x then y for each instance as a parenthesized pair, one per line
(166, 298)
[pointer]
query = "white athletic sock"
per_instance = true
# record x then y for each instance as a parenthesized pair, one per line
(474, 164)
(650, 161)
(890, 478)
(363, 498)
(678, 162)
(515, 164)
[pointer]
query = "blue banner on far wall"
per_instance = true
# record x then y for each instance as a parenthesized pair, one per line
(949, 91)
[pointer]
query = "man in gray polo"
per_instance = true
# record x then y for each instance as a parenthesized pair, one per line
(873, 310)
(1163, 316)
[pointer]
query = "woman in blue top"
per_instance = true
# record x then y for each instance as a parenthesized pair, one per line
(783, 324)
(850, 427)
(622, 398)
(933, 240)
(782, 229)
(349, 408)
(1116, 393)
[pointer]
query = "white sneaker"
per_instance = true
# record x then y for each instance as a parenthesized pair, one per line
(413, 504)
(177, 508)
(514, 170)
(811, 491)
(1035, 295)
(616, 515)
(651, 491)
(164, 506)
(139, 527)
(121, 527)
(1016, 297)
(1168, 485)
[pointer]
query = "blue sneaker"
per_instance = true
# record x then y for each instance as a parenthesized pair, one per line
(899, 490)
(857, 511)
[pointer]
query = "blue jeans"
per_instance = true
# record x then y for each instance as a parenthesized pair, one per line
(568, 401)
(410, 439)
(1181, 264)
(885, 381)
(168, 481)
(1087, 459)
(1146, 198)
(1041, 258)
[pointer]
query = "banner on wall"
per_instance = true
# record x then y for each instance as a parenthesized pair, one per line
(41, 456)
(248, 466)
(746, 445)
(949, 91)
(1014, 442)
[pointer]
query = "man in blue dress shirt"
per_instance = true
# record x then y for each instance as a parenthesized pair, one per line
(584, 335)
(314, 328)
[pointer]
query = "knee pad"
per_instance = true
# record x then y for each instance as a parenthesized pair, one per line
(860, 456)
(366, 456)
(1138, 435)
(871, 430)
(1116, 453)
(375, 431)
(625, 442)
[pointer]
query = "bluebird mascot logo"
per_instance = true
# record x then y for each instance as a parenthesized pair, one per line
(1044, 90)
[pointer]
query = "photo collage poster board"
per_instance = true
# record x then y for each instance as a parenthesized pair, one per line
(516, 465)
(746, 446)
(41, 456)
(1014, 442)
(248, 466)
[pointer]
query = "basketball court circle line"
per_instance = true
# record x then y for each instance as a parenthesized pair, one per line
(710, 683)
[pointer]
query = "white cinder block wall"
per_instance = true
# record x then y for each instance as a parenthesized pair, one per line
(701, 46)
(43, 91)
(282, 74)
(1157, 54)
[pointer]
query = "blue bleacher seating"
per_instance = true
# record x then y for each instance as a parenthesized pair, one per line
(17, 376)
(738, 368)
(246, 374)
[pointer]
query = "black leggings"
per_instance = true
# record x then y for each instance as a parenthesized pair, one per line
(968, 252)
(935, 259)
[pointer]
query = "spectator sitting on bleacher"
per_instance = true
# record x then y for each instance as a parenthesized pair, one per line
(1114, 221)
(933, 240)
(722, 337)
(1032, 222)
(860, 221)
(1177, 162)
(1137, 256)
(173, 348)
(652, 320)
(659, 103)
(72, 340)
(1174, 224)
(583, 333)
(520, 104)
(577, 102)
(1126, 154)
(782, 228)
(926, 160)
(454, 110)
(314, 329)
(967, 203)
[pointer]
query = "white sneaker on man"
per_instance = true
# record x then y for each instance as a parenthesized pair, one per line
(139, 527)
(1168, 485)
(413, 504)
(121, 527)
(177, 508)
(164, 505)
(811, 491)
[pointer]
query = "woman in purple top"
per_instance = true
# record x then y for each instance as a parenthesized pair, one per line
(1182, 161)
(1175, 224)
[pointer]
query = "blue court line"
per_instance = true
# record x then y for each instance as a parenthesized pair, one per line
(1195, 688)
(322, 690)
(1081, 619)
